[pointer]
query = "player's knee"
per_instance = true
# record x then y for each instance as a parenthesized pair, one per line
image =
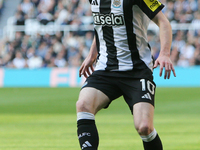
(144, 129)
(82, 106)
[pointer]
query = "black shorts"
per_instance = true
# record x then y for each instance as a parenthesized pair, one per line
(134, 90)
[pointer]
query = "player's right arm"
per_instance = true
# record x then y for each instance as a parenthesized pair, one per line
(87, 66)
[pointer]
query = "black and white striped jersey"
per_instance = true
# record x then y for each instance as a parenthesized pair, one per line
(121, 33)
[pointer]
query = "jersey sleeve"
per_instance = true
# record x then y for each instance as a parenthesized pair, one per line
(150, 7)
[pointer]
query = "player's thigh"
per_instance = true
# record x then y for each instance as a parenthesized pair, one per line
(137, 91)
(91, 100)
(143, 114)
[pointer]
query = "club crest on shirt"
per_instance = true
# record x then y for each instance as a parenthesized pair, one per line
(116, 3)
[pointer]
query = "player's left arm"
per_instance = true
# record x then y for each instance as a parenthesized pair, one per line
(165, 40)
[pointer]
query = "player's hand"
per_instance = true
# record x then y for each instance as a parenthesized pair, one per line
(86, 68)
(165, 62)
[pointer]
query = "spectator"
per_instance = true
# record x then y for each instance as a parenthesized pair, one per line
(28, 9)
(7, 60)
(60, 59)
(36, 3)
(45, 17)
(26, 6)
(197, 57)
(19, 62)
(47, 38)
(186, 55)
(34, 62)
(57, 46)
(70, 40)
(88, 39)
(19, 18)
(18, 40)
(196, 21)
(193, 5)
(84, 51)
(48, 60)
(46, 6)
(42, 49)
(30, 52)
(74, 57)
(169, 10)
(61, 14)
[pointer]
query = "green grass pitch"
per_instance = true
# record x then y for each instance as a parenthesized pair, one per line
(45, 119)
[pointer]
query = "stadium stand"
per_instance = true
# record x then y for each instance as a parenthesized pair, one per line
(58, 33)
(1, 6)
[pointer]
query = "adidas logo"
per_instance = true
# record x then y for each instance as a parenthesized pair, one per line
(147, 96)
(86, 144)
(94, 2)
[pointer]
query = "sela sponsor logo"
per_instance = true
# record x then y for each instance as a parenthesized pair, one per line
(152, 4)
(84, 134)
(108, 19)
(116, 3)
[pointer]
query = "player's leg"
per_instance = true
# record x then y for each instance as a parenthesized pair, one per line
(89, 103)
(143, 113)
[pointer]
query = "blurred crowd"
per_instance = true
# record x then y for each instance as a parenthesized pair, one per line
(1, 6)
(61, 50)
